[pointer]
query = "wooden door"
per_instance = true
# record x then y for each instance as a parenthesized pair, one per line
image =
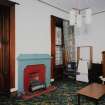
(53, 30)
(7, 45)
(57, 45)
(4, 49)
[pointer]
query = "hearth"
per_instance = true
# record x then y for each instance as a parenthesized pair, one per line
(34, 77)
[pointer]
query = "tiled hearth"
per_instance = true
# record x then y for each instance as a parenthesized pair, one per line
(25, 60)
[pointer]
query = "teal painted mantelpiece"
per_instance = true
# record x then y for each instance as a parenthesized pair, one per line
(29, 59)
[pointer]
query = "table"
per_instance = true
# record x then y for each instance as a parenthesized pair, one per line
(93, 91)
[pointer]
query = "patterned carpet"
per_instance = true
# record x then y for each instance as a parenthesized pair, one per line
(65, 94)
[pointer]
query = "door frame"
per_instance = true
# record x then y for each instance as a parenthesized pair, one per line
(11, 6)
(53, 44)
(53, 30)
(12, 46)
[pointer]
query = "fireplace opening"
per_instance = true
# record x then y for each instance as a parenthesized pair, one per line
(34, 83)
(34, 77)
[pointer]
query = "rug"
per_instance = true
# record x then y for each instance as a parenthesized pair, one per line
(39, 92)
(65, 94)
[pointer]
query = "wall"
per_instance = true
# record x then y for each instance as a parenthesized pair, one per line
(33, 30)
(93, 35)
(33, 27)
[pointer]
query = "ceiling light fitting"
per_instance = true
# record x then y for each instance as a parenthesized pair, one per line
(76, 18)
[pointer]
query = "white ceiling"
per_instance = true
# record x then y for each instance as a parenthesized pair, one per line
(96, 5)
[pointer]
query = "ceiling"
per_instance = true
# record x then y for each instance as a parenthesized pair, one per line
(95, 5)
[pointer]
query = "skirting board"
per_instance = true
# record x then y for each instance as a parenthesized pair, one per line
(52, 80)
(13, 89)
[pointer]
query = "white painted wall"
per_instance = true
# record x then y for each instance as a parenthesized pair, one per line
(33, 30)
(33, 26)
(93, 35)
(33, 34)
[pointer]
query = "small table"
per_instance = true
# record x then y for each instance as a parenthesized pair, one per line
(93, 91)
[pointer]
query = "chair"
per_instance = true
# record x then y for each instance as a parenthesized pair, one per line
(70, 71)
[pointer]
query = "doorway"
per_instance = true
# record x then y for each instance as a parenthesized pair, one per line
(7, 46)
(57, 48)
(62, 46)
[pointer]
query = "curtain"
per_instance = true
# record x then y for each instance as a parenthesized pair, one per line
(69, 42)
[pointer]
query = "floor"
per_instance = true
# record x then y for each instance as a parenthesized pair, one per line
(65, 94)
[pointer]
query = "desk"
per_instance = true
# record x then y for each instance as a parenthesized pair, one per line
(93, 91)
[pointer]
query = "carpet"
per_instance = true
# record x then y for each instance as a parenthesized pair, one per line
(65, 94)
(38, 92)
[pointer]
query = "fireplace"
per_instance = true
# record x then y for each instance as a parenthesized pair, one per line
(24, 62)
(34, 77)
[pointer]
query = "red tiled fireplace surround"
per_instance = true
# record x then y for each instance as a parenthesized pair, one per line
(33, 72)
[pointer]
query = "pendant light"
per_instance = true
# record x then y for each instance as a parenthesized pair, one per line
(88, 16)
(72, 17)
(76, 18)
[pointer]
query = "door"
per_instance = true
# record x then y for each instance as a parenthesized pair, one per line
(57, 45)
(4, 49)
